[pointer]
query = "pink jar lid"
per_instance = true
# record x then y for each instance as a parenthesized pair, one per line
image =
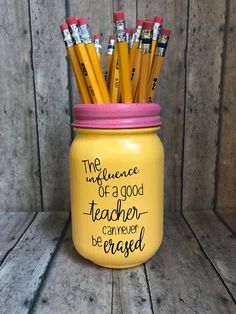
(116, 116)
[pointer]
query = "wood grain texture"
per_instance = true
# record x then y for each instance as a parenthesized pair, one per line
(170, 91)
(218, 244)
(130, 291)
(204, 61)
(22, 271)
(74, 285)
(19, 168)
(129, 6)
(100, 18)
(229, 217)
(12, 226)
(226, 180)
(52, 99)
(181, 279)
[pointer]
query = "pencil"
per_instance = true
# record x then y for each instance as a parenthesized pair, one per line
(131, 38)
(135, 73)
(98, 47)
(86, 38)
(109, 57)
(85, 63)
(123, 56)
(115, 79)
(158, 21)
(84, 95)
(157, 63)
(127, 32)
(146, 37)
(134, 47)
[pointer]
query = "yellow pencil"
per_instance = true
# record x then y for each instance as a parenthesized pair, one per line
(109, 58)
(86, 38)
(98, 47)
(132, 33)
(85, 63)
(146, 37)
(84, 95)
(115, 79)
(123, 57)
(128, 33)
(135, 44)
(158, 21)
(157, 63)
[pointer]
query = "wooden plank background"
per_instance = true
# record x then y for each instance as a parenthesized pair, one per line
(226, 196)
(196, 92)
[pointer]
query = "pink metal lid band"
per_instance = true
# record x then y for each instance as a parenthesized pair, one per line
(116, 116)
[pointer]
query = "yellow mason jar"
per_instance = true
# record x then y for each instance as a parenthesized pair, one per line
(117, 182)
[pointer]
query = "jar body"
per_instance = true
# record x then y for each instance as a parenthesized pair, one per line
(117, 182)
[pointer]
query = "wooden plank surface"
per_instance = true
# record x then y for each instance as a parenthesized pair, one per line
(74, 285)
(19, 168)
(52, 99)
(226, 180)
(218, 243)
(229, 217)
(204, 61)
(22, 271)
(12, 226)
(101, 21)
(171, 91)
(181, 279)
(130, 291)
(129, 6)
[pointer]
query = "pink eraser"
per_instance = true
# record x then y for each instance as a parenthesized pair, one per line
(63, 26)
(112, 37)
(97, 36)
(140, 22)
(132, 31)
(158, 19)
(148, 25)
(165, 31)
(71, 20)
(82, 21)
(119, 16)
(128, 30)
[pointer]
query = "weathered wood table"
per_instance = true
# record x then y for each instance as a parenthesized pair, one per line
(193, 272)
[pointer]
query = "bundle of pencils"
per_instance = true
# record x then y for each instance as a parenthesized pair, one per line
(134, 59)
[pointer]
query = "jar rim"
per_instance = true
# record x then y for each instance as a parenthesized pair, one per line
(116, 116)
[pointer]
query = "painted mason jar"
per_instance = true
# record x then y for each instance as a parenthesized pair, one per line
(117, 182)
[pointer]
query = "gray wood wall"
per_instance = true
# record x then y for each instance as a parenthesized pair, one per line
(197, 93)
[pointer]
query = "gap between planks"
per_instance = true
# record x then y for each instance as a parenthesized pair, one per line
(13, 225)
(24, 268)
(218, 244)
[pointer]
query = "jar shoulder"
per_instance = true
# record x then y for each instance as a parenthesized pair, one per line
(118, 145)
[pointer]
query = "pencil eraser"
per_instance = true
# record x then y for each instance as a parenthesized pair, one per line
(97, 36)
(128, 30)
(112, 37)
(165, 31)
(82, 21)
(158, 19)
(63, 26)
(132, 31)
(140, 22)
(71, 20)
(119, 16)
(148, 25)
